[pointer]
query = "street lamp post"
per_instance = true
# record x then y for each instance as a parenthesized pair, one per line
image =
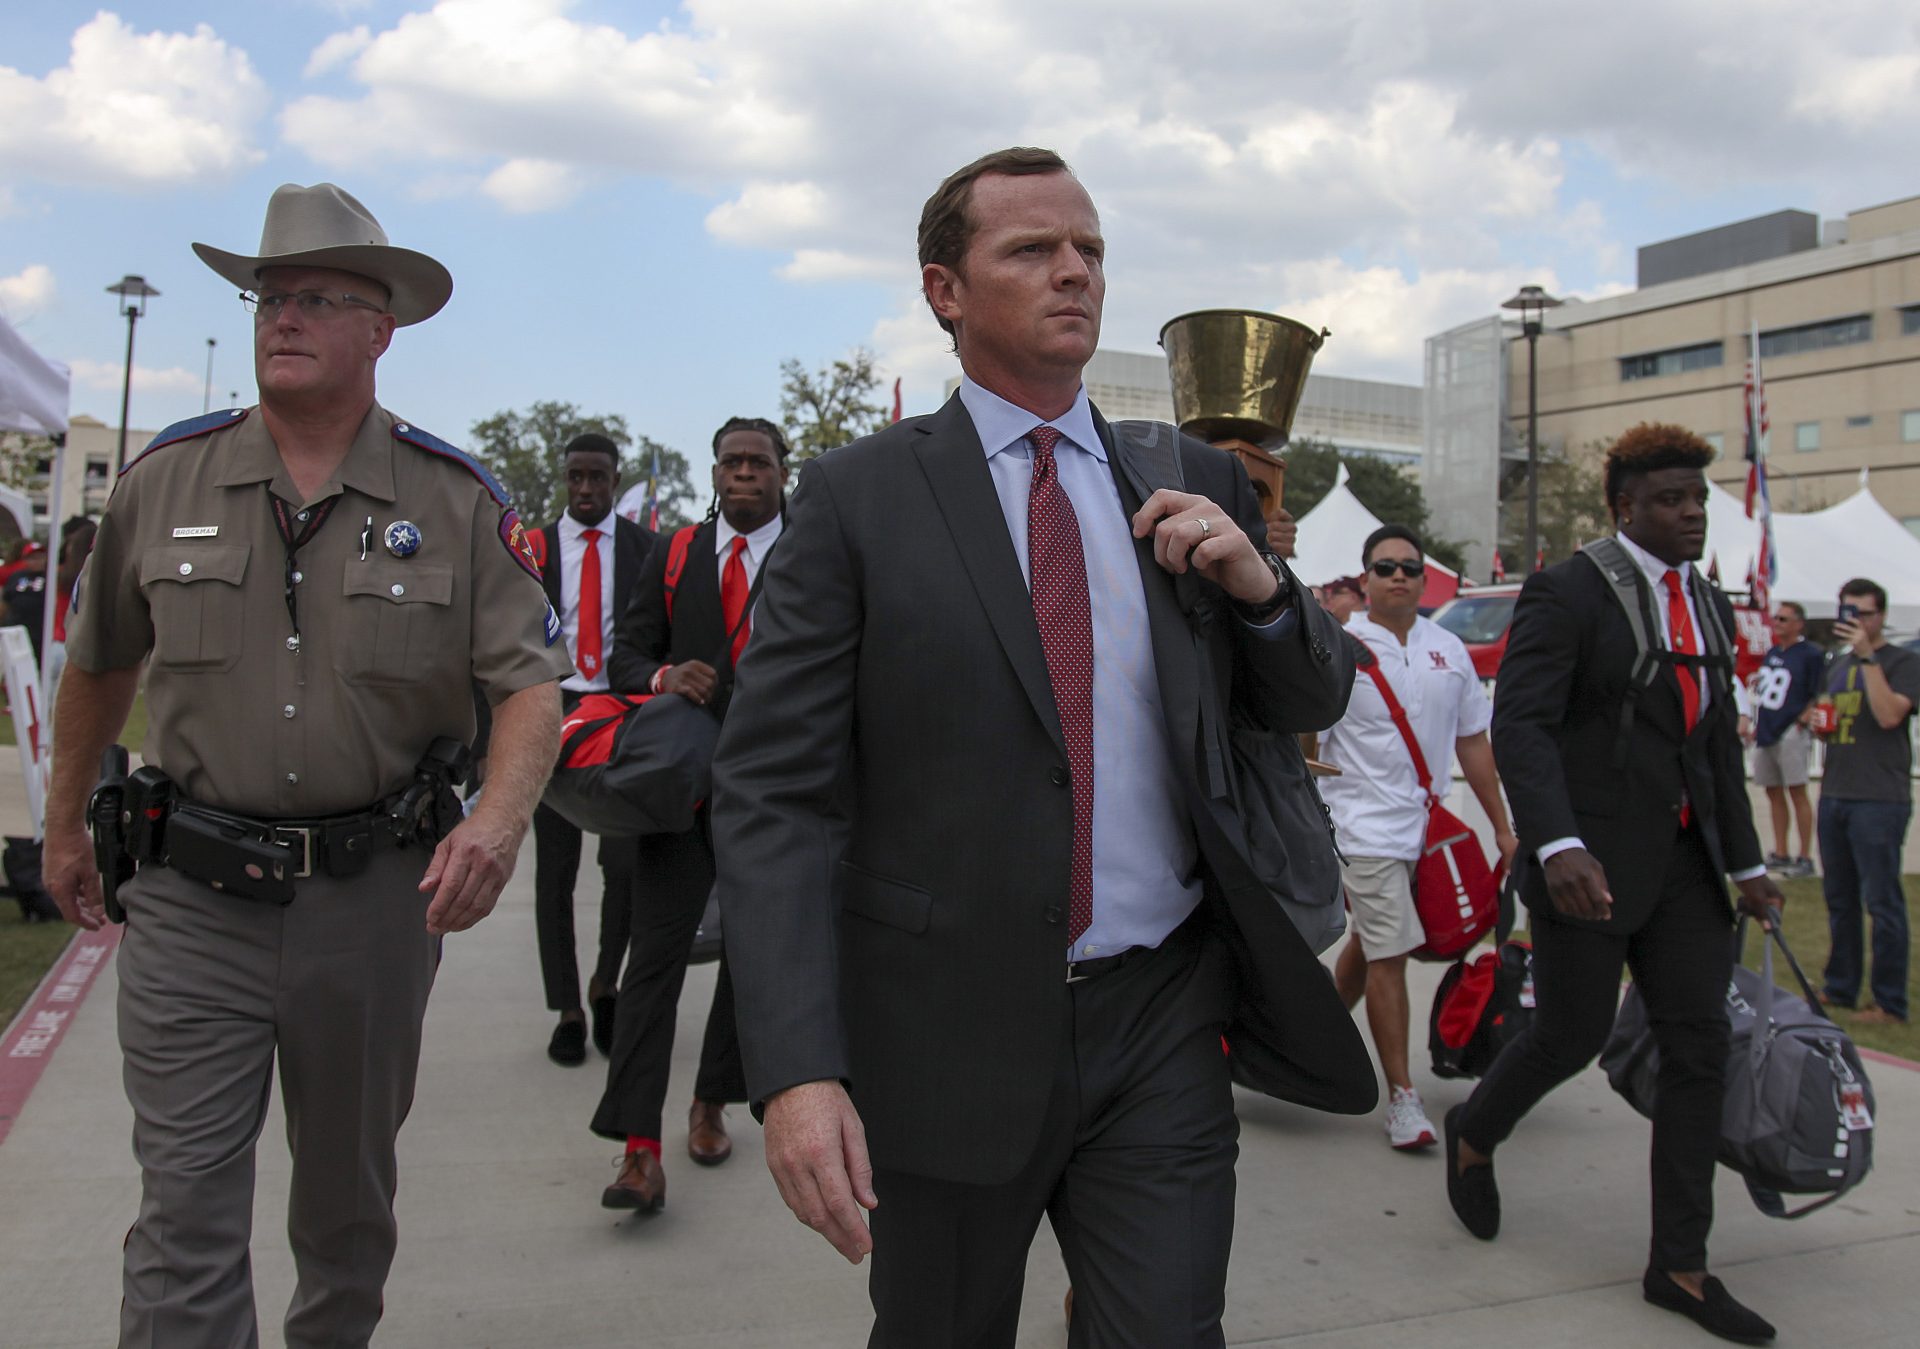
(134, 293)
(206, 403)
(1533, 303)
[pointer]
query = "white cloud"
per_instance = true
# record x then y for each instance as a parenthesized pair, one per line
(26, 292)
(133, 108)
(1371, 158)
(337, 50)
(524, 185)
(106, 376)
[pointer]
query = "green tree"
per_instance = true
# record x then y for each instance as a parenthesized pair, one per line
(1386, 489)
(523, 450)
(827, 408)
(1573, 510)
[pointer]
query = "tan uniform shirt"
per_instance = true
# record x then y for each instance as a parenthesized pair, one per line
(189, 565)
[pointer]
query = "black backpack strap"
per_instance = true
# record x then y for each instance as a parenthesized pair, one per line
(1635, 597)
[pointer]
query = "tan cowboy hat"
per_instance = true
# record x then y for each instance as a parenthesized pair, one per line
(322, 226)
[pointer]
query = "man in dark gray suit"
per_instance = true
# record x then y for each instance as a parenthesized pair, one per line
(981, 869)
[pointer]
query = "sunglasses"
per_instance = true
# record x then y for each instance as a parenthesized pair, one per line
(1387, 566)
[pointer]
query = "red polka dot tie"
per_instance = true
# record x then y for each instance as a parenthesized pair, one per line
(1058, 571)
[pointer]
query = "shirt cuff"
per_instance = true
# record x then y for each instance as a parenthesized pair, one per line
(1281, 624)
(1559, 845)
(1747, 874)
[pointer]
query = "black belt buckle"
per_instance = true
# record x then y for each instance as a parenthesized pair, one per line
(1079, 971)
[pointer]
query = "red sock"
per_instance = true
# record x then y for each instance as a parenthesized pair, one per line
(635, 1143)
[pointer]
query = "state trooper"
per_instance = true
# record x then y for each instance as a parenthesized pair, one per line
(315, 584)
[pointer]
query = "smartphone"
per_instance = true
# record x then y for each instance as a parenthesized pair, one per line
(1847, 613)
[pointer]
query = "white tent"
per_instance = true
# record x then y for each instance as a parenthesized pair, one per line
(1328, 546)
(1819, 551)
(33, 390)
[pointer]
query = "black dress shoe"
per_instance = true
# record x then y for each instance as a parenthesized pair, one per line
(1474, 1196)
(1716, 1312)
(603, 1024)
(569, 1043)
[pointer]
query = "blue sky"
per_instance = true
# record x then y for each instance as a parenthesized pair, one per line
(646, 208)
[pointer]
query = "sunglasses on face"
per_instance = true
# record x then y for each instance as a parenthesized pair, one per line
(1387, 566)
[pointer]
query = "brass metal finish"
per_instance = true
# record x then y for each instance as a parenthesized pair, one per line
(1238, 373)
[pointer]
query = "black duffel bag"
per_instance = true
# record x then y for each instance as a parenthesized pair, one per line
(633, 764)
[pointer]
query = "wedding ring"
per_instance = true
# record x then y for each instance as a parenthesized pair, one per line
(1206, 527)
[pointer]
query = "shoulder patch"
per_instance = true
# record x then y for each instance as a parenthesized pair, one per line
(432, 444)
(191, 429)
(514, 535)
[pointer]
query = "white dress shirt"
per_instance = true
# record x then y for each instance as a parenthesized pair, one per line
(573, 551)
(759, 543)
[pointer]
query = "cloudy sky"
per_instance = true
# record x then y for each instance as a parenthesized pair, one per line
(647, 207)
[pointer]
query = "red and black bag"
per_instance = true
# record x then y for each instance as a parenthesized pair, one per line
(1455, 891)
(633, 764)
(1482, 1003)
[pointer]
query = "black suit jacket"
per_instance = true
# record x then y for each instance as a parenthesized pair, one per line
(893, 825)
(1556, 722)
(645, 638)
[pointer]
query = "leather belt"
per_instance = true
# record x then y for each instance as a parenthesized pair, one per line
(1078, 971)
(337, 845)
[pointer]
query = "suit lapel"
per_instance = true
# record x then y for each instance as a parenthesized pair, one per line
(955, 463)
(1176, 668)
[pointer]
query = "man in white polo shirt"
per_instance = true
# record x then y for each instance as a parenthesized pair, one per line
(1380, 808)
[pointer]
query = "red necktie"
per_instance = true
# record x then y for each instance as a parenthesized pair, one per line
(1680, 638)
(1058, 571)
(733, 595)
(587, 656)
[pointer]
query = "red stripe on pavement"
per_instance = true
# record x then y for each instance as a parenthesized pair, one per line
(30, 1041)
(1881, 1056)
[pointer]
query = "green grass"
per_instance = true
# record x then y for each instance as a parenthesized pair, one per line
(132, 736)
(27, 951)
(1806, 933)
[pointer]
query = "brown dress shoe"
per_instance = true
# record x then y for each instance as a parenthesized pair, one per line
(641, 1184)
(707, 1141)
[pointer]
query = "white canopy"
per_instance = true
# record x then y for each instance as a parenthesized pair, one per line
(1820, 551)
(33, 390)
(1328, 545)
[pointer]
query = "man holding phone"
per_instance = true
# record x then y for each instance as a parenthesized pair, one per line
(1866, 803)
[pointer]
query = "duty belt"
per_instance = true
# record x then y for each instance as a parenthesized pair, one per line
(261, 859)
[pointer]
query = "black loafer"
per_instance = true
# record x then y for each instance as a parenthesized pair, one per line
(569, 1043)
(603, 1023)
(1474, 1196)
(1716, 1312)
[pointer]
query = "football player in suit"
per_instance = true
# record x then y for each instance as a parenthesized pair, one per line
(1630, 830)
(589, 559)
(683, 631)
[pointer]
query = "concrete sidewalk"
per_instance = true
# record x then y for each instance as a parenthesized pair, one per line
(1341, 1243)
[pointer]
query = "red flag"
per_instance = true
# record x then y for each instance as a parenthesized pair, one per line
(896, 400)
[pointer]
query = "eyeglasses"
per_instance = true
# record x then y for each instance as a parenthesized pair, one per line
(1387, 566)
(318, 305)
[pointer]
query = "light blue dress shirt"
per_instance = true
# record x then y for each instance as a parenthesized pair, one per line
(1146, 876)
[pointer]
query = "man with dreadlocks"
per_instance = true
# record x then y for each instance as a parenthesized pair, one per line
(682, 633)
(1630, 828)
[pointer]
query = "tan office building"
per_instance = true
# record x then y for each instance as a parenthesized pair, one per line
(1839, 334)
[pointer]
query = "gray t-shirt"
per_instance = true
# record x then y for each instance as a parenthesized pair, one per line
(1865, 761)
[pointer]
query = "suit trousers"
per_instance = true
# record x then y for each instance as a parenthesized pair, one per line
(556, 867)
(672, 879)
(1134, 1169)
(213, 989)
(1682, 959)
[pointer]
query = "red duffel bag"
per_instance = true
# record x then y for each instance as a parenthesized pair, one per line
(633, 764)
